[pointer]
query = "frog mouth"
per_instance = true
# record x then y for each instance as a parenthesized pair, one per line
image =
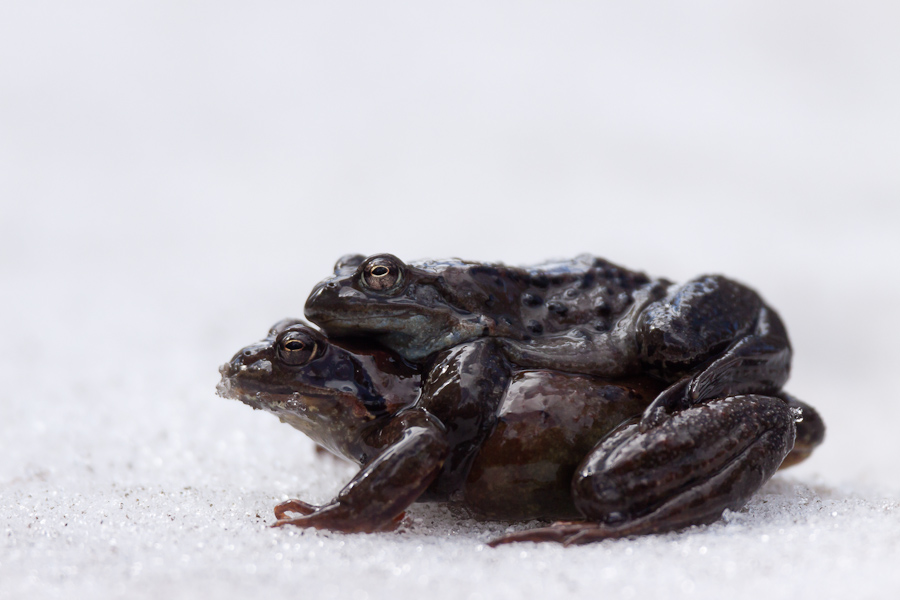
(271, 398)
(367, 319)
(249, 392)
(364, 315)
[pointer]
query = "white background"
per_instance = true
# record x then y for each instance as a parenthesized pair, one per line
(175, 176)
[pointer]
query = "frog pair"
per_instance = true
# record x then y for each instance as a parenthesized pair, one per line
(576, 389)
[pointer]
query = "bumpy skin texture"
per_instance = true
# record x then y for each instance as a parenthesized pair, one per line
(635, 482)
(549, 444)
(708, 338)
(422, 308)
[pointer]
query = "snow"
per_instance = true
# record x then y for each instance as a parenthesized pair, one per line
(175, 177)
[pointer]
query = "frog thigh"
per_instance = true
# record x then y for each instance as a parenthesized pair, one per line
(684, 472)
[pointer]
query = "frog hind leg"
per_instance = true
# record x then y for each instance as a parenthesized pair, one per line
(685, 471)
(721, 335)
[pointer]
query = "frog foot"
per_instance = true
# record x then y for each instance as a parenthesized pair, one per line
(567, 533)
(296, 506)
(327, 517)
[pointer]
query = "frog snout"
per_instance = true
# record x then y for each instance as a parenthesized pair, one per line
(321, 302)
(252, 359)
(313, 303)
(260, 367)
(230, 369)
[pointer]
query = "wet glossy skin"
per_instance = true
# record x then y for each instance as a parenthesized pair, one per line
(335, 395)
(418, 435)
(545, 313)
(708, 338)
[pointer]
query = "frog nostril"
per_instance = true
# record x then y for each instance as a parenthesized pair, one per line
(261, 366)
(326, 288)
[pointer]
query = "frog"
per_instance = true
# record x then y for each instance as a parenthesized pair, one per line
(557, 445)
(709, 337)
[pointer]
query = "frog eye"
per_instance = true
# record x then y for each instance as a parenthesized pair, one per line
(296, 348)
(382, 273)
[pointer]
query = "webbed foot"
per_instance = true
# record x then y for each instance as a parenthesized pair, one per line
(567, 533)
(331, 517)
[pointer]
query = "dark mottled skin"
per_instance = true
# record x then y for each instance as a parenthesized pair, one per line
(708, 338)
(553, 444)
(543, 312)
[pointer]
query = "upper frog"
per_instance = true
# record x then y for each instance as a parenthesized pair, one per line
(544, 312)
(708, 337)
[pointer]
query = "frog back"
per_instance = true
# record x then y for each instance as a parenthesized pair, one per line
(530, 302)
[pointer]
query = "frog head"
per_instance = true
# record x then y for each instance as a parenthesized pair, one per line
(332, 393)
(414, 311)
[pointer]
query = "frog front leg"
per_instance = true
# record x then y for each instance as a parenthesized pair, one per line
(414, 448)
(463, 390)
(714, 338)
(685, 471)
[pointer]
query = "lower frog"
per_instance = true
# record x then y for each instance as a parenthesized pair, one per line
(556, 445)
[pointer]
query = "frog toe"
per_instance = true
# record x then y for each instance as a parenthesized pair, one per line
(322, 520)
(567, 533)
(558, 532)
(297, 506)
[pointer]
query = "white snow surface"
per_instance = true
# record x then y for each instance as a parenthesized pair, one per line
(176, 176)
